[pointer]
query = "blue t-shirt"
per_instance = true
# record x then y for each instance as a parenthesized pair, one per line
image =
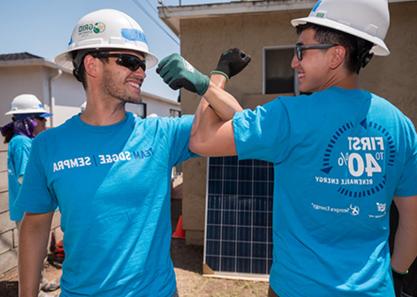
(112, 186)
(17, 159)
(339, 158)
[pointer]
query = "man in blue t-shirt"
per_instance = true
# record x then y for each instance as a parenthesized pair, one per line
(340, 156)
(107, 171)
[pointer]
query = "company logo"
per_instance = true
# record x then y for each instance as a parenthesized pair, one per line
(91, 28)
(354, 210)
(356, 158)
(381, 207)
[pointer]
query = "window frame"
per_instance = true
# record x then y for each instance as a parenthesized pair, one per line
(276, 47)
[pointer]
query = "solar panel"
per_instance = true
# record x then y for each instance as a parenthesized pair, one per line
(238, 237)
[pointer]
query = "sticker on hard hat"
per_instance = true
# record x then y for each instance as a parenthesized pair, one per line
(134, 35)
(91, 28)
(316, 6)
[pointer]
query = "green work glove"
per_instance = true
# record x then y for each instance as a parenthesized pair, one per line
(232, 62)
(178, 73)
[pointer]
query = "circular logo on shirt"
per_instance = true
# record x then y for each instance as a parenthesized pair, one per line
(355, 159)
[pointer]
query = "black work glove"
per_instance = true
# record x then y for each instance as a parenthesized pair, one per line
(398, 279)
(231, 62)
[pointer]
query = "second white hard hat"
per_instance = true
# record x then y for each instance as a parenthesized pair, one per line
(27, 104)
(366, 19)
(106, 28)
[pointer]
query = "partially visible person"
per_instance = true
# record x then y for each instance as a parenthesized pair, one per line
(341, 156)
(28, 120)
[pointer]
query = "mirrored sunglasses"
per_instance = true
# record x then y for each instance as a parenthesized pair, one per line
(129, 61)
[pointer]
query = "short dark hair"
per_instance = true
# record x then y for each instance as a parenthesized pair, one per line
(78, 63)
(357, 49)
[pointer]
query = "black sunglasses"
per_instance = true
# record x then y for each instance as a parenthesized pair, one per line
(131, 62)
(300, 47)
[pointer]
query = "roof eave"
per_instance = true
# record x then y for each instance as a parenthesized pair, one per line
(171, 15)
(28, 62)
(32, 62)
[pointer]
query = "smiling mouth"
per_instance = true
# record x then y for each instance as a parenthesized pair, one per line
(300, 75)
(136, 85)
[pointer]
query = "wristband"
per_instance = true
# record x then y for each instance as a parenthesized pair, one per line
(220, 72)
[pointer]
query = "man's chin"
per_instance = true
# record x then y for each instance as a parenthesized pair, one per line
(133, 100)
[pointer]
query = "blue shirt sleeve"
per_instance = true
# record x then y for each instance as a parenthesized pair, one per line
(408, 182)
(262, 133)
(35, 196)
(180, 131)
(21, 156)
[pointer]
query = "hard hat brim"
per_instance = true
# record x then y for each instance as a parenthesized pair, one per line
(379, 49)
(42, 113)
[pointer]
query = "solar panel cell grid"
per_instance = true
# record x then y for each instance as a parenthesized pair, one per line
(239, 216)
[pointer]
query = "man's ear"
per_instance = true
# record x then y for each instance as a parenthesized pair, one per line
(90, 65)
(338, 56)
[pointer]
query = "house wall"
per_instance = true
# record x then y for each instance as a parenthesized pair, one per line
(68, 95)
(161, 108)
(19, 80)
(203, 40)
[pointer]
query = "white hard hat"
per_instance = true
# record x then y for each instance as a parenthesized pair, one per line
(366, 19)
(152, 115)
(106, 28)
(27, 103)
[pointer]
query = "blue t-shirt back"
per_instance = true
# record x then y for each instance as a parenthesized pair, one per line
(339, 158)
(17, 159)
(112, 186)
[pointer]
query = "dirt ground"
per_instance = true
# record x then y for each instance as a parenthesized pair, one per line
(187, 261)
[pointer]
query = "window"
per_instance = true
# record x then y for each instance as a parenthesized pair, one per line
(278, 74)
(137, 108)
(174, 113)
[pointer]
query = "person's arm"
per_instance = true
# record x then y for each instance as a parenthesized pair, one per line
(212, 135)
(203, 107)
(33, 240)
(405, 243)
(212, 132)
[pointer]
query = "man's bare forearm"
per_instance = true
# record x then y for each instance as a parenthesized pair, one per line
(223, 103)
(405, 243)
(210, 118)
(33, 240)
(203, 109)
